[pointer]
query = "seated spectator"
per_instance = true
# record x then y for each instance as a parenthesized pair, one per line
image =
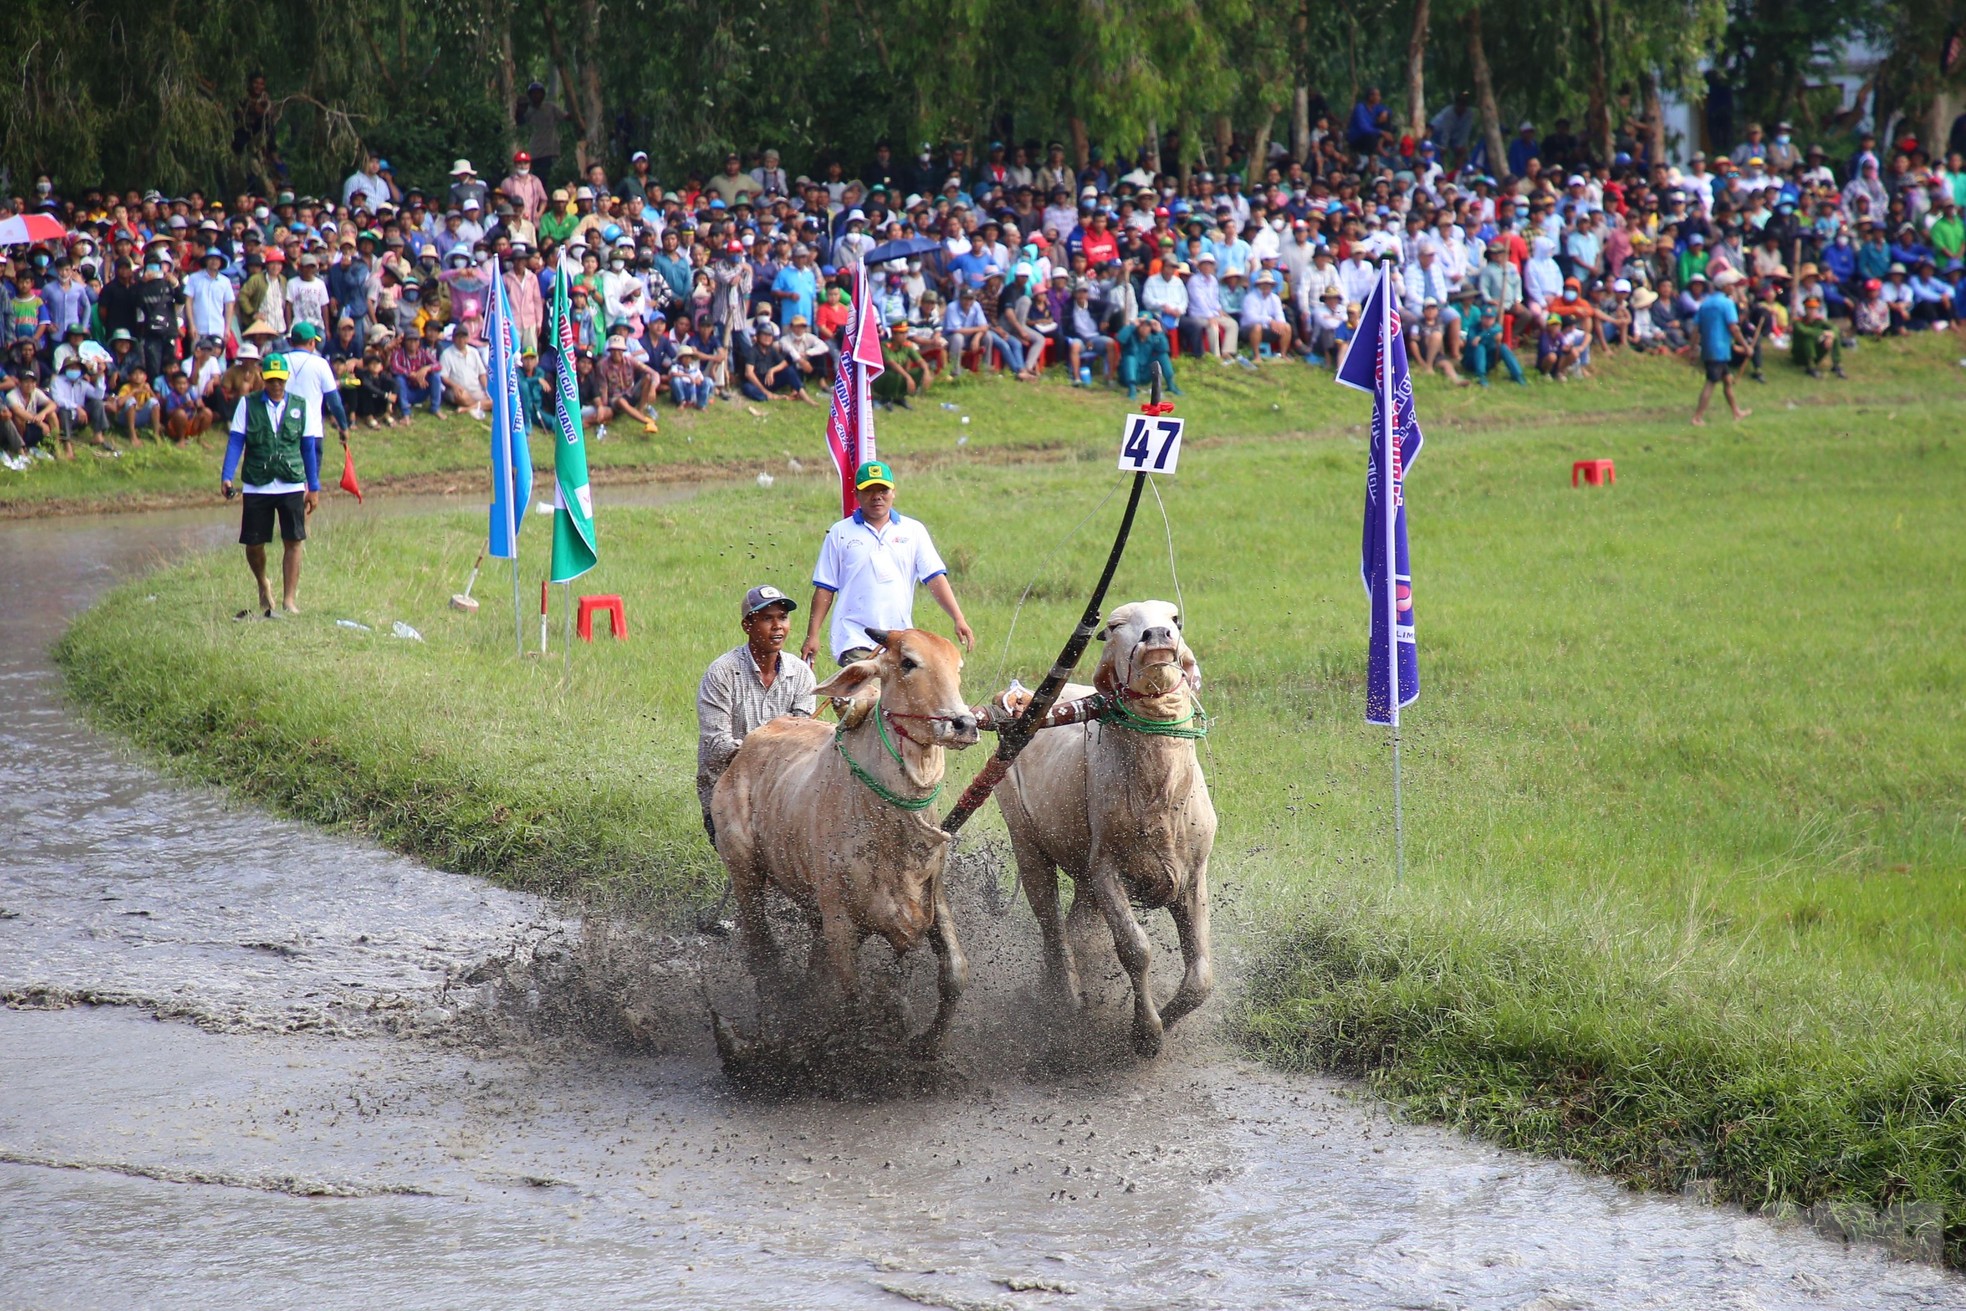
(415, 371)
(967, 331)
(1263, 317)
(1327, 321)
(35, 417)
(1143, 353)
(134, 405)
(905, 374)
(76, 396)
(625, 385)
(1814, 339)
(1435, 341)
(688, 385)
(1485, 346)
(464, 374)
(185, 414)
(1084, 339)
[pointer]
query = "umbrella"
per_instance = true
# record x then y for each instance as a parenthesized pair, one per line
(906, 248)
(26, 229)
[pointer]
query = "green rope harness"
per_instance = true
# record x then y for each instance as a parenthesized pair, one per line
(1118, 715)
(874, 785)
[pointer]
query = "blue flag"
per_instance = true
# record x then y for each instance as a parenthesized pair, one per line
(1376, 363)
(511, 456)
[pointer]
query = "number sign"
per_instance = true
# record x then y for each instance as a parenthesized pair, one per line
(1151, 444)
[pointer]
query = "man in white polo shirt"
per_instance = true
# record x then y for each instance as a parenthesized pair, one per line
(869, 566)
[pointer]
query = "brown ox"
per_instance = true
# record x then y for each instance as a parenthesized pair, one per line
(792, 814)
(1124, 811)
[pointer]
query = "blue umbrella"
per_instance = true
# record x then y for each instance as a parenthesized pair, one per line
(906, 248)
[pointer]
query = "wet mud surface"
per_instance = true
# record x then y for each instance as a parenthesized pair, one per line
(243, 1064)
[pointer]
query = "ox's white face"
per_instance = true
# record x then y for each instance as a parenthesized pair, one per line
(917, 676)
(1145, 652)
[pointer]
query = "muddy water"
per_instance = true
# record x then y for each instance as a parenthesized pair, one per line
(244, 1064)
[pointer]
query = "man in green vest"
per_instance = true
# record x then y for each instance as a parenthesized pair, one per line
(280, 474)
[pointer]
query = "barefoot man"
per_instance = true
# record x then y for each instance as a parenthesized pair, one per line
(281, 472)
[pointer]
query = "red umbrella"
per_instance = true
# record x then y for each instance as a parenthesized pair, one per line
(26, 229)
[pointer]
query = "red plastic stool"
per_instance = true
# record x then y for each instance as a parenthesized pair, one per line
(583, 621)
(1594, 472)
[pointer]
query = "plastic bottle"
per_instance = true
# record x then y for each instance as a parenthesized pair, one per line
(1085, 375)
(404, 631)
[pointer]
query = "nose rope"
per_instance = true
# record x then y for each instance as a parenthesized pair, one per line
(873, 784)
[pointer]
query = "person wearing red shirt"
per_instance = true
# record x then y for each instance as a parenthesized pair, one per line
(1099, 243)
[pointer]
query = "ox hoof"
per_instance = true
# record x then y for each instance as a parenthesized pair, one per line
(1146, 1040)
(731, 1048)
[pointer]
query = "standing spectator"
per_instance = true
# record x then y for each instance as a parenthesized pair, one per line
(1719, 323)
(158, 326)
(796, 288)
(118, 301)
(541, 123)
(524, 189)
(307, 296)
(209, 297)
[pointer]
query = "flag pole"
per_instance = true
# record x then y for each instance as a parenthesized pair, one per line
(1390, 480)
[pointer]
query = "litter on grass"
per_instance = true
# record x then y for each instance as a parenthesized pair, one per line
(351, 624)
(404, 631)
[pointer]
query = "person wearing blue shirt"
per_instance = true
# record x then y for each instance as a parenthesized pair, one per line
(796, 288)
(1523, 148)
(1362, 128)
(1718, 321)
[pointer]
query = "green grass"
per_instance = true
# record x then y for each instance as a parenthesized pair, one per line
(1686, 798)
(432, 455)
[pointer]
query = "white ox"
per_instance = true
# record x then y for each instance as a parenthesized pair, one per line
(801, 810)
(1125, 811)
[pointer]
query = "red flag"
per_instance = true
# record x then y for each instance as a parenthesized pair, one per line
(850, 425)
(348, 482)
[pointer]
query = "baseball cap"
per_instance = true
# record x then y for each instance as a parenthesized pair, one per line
(305, 332)
(874, 473)
(273, 366)
(763, 597)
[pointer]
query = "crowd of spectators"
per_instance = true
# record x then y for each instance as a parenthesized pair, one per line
(146, 317)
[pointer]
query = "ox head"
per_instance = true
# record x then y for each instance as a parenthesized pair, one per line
(917, 675)
(1145, 653)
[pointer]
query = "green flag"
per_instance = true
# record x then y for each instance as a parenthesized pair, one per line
(574, 549)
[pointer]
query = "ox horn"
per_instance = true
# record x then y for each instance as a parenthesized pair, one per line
(881, 636)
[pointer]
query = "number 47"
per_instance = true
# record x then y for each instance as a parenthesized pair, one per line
(1151, 445)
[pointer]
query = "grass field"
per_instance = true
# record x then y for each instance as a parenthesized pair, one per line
(1686, 793)
(450, 453)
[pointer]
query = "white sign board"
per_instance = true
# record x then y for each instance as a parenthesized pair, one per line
(1151, 443)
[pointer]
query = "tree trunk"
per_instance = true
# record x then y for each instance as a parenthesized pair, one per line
(1259, 147)
(1081, 145)
(1300, 99)
(500, 17)
(1225, 140)
(1484, 81)
(1416, 74)
(1938, 124)
(597, 125)
(1153, 146)
(1655, 119)
(1597, 118)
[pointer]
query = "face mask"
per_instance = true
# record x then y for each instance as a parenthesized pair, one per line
(71, 374)
(523, 169)
(1782, 140)
(44, 188)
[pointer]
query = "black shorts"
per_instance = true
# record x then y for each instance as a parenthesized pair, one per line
(1717, 370)
(256, 520)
